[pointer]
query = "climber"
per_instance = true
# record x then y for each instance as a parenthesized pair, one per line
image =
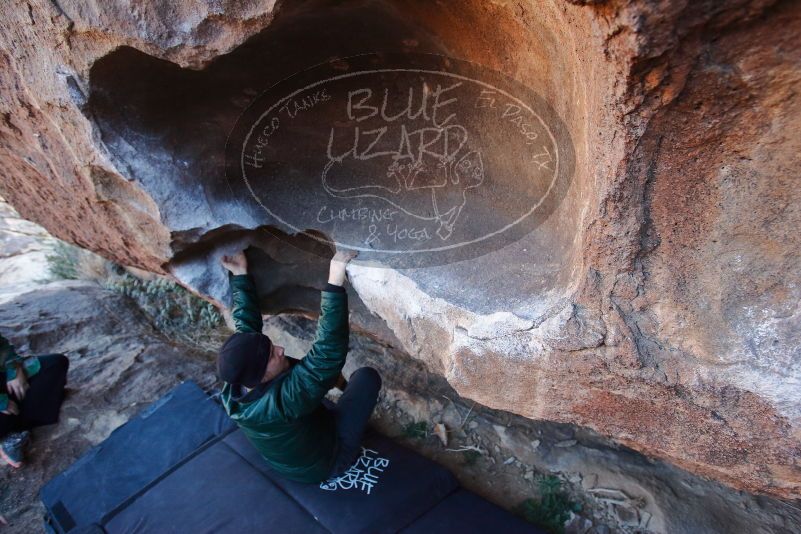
(31, 392)
(278, 404)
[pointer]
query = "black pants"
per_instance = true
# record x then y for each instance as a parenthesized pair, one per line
(42, 400)
(352, 413)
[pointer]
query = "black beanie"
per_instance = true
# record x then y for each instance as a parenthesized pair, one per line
(243, 359)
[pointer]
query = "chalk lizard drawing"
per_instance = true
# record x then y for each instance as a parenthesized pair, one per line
(427, 178)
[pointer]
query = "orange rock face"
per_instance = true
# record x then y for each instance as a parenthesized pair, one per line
(658, 300)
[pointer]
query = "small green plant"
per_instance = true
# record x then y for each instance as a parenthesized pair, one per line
(417, 430)
(552, 509)
(173, 310)
(470, 457)
(64, 261)
(176, 312)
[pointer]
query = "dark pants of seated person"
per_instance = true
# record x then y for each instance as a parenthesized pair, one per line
(352, 413)
(43, 399)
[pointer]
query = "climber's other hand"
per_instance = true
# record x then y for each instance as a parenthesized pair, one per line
(236, 263)
(336, 273)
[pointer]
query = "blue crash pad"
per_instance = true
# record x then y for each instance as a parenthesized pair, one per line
(466, 513)
(217, 491)
(133, 456)
(388, 488)
(182, 466)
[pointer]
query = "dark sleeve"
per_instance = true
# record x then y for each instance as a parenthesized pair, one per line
(246, 312)
(334, 288)
(7, 356)
(312, 377)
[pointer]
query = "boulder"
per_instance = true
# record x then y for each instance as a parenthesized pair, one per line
(653, 294)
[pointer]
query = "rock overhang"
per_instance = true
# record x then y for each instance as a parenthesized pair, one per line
(613, 331)
(169, 126)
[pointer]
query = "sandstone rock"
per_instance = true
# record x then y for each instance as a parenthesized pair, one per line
(658, 301)
(666, 498)
(442, 433)
(566, 443)
(24, 247)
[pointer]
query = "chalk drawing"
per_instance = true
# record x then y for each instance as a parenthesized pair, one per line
(363, 475)
(403, 154)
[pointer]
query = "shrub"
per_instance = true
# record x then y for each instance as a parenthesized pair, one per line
(418, 430)
(179, 314)
(552, 509)
(176, 312)
(470, 457)
(63, 262)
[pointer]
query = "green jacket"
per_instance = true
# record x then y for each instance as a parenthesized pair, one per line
(8, 368)
(284, 418)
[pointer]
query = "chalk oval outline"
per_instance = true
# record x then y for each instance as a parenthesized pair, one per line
(389, 70)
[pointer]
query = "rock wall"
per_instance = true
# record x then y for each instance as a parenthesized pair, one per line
(657, 303)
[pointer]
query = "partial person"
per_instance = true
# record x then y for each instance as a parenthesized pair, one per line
(278, 401)
(31, 393)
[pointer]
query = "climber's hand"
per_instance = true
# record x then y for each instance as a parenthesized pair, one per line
(11, 408)
(336, 273)
(236, 263)
(344, 255)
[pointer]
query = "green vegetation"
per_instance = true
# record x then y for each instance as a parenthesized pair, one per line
(418, 430)
(64, 261)
(552, 509)
(176, 312)
(470, 457)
